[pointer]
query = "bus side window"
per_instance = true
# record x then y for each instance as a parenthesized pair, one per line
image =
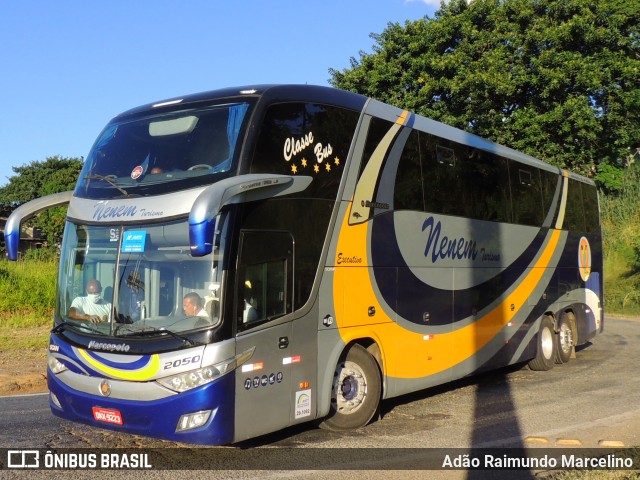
(407, 192)
(440, 178)
(591, 212)
(574, 215)
(265, 277)
(527, 195)
(483, 179)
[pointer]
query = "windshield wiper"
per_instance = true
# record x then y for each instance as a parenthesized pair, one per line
(159, 331)
(63, 326)
(109, 180)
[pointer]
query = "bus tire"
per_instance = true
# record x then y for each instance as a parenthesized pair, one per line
(565, 338)
(356, 391)
(546, 346)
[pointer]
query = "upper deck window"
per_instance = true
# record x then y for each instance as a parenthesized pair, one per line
(306, 139)
(163, 153)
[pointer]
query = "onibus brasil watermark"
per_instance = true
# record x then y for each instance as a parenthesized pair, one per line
(35, 459)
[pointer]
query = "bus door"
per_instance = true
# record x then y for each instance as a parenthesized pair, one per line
(264, 296)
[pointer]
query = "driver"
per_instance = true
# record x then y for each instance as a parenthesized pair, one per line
(93, 307)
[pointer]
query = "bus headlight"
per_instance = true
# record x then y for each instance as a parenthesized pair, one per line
(196, 378)
(55, 365)
(201, 376)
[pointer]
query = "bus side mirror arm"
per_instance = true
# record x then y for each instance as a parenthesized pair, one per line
(243, 188)
(25, 211)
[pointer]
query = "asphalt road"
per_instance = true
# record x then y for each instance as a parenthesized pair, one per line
(592, 401)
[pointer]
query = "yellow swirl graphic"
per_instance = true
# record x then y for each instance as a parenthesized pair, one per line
(139, 375)
(409, 354)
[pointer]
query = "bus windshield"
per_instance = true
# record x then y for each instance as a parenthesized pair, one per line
(136, 280)
(163, 153)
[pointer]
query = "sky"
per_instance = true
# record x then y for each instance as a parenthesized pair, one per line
(68, 66)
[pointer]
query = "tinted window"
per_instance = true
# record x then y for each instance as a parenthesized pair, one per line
(574, 214)
(483, 185)
(306, 139)
(408, 185)
(163, 152)
(526, 194)
(551, 183)
(440, 166)
(591, 212)
(264, 276)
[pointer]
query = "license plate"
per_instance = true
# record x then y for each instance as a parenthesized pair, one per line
(107, 415)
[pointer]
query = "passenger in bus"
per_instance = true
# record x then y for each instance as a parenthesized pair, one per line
(192, 305)
(92, 307)
(250, 313)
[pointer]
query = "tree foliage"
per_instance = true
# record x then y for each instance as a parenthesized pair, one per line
(557, 79)
(37, 179)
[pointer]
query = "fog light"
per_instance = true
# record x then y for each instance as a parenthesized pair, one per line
(193, 420)
(55, 400)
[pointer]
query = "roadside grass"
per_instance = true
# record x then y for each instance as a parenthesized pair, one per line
(27, 296)
(24, 338)
(620, 217)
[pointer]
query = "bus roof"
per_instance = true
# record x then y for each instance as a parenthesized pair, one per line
(275, 93)
(342, 98)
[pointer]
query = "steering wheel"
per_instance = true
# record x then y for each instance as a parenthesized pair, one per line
(200, 166)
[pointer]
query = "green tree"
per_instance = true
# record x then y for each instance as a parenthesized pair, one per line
(557, 79)
(37, 179)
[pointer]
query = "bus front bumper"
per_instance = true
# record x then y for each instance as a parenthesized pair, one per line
(210, 407)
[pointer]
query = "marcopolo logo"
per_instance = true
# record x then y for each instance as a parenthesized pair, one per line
(109, 347)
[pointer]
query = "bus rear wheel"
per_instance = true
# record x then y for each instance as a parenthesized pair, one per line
(546, 347)
(565, 338)
(356, 391)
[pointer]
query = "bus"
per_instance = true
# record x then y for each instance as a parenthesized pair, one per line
(246, 259)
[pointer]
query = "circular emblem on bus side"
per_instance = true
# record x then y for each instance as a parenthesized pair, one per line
(105, 388)
(584, 259)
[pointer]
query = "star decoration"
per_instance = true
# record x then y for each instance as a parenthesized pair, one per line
(327, 167)
(316, 168)
(337, 161)
(304, 162)
(294, 168)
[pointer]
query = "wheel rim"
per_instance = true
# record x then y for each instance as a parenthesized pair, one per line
(547, 343)
(565, 338)
(349, 388)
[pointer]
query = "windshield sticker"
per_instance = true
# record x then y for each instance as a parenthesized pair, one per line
(136, 172)
(114, 234)
(134, 241)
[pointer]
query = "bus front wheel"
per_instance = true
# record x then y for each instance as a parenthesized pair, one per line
(356, 391)
(546, 346)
